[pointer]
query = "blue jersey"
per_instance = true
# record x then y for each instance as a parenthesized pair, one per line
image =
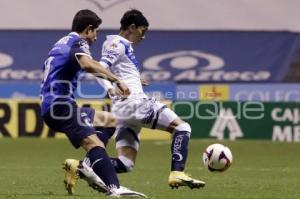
(61, 70)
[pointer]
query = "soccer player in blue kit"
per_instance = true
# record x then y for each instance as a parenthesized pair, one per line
(137, 110)
(70, 57)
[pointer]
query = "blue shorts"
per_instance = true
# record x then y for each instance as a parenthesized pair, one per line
(75, 122)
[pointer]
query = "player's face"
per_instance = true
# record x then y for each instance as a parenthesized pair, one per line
(92, 35)
(139, 34)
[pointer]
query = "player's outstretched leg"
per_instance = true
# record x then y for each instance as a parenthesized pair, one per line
(96, 183)
(75, 168)
(179, 150)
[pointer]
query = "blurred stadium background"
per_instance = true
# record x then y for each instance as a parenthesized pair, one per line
(225, 51)
(229, 67)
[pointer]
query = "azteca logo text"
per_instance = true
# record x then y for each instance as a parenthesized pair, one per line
(195, 66)
(7, 73)
(5, 60)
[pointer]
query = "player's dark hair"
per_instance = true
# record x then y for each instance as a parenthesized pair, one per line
(135, 17)
(84, 18)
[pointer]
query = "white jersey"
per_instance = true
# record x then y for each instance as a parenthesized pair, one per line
(118, 56)
(138, 110)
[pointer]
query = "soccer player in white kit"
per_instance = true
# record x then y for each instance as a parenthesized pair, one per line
(138, 110)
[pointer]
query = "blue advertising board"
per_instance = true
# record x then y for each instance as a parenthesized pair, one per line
(85, 90)
(218, 56)
(180, 56)
(266, 92)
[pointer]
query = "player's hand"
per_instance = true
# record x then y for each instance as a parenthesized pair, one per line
(145, 82)
(123, 90)
(111, 92)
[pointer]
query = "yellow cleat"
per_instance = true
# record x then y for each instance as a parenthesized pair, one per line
(179, 178)
(71, 176)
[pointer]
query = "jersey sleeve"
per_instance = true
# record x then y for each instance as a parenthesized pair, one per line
(111, 53)
(80, 47)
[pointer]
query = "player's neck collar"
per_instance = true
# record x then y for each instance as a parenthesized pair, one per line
(74, 33)
(124, 39)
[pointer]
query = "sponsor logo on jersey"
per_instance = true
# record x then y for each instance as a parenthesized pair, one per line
(84, 46)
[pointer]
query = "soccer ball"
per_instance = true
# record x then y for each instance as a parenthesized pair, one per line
(217, 157)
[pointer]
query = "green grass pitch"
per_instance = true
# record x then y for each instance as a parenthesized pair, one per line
(31, 168)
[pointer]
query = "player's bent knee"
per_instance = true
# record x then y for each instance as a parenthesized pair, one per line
(183, 127)
(90, 142)
(129, 164)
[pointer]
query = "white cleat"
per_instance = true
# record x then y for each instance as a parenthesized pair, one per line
(124, 192)
(85, 172)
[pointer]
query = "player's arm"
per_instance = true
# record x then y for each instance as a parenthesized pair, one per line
(80, 51)
(108, 87)
(111, 53)
(94, 67)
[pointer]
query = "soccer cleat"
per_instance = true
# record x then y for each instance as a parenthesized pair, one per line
(71, 177)
(179, 178)
(124, 192)
(85, 172)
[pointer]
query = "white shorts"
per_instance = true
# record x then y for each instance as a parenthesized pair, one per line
(133, 114)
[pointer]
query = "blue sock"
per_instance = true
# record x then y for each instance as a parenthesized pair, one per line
(105, 133)
(118, 164)
(179, 150)
(100, 163)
